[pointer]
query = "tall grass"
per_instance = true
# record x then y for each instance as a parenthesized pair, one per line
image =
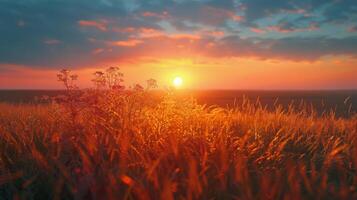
(133, 144)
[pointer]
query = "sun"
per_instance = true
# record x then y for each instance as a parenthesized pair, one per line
(177, 82)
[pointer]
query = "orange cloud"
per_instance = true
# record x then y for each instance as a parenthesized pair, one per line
(100, 25)
(149, 32)
(213, 33)
(185, 36)
(125, 29)
(161, 15)
(97, 51)
(237, 18)
(126, 43)
(257, 30)
(141, 32)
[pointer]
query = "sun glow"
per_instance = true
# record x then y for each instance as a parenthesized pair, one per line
(177, 82)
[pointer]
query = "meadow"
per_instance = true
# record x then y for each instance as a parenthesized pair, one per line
(114, 143)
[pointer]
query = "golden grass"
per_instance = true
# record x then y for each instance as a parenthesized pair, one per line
(118, 145)
(133, 144)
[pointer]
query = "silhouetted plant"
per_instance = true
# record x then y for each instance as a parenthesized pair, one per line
(68, 79)
(72, 97)
(151, 84)
(99, 80)
(138, 88)
(114, 78)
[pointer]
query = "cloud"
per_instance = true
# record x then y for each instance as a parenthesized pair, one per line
(100, 25)
(340, 11)
(257, 30)
(289, 48)
(162, 15)
(203, 14)
(289, 17)
(286, 27)
(126, 43)
(98, 51)
(59, 33)
(352, 29)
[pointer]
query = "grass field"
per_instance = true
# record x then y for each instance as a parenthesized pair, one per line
(118, 144)
(129, 149)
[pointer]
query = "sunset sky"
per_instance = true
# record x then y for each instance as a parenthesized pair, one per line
(211, 44)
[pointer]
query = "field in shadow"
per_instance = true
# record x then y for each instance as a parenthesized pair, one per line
(343, 103)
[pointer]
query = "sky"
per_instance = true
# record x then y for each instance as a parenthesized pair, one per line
(211, 44)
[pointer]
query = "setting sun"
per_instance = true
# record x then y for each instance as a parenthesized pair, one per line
(177, 82)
